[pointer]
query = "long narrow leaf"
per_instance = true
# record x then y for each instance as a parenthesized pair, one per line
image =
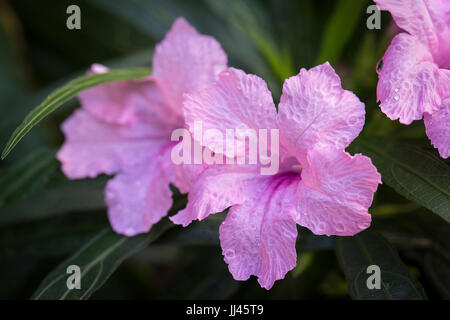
(340, 28)
(97, 260)
(64, 94)
(56, 200)
(366, 249)
(24, 174)
(414, 173)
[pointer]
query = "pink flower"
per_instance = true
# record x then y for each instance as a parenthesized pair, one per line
(124, 128)
(414, 75)
(319, 185)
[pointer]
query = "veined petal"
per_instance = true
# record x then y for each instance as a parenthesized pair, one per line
(215, 189)
(236, 101)
(93, 147)
(126, 102)
(315, 109)
(427, 20)
(409, 80)
(258, 237)
(186, 61)
(438, 128)
(335, 192)
(139, 196)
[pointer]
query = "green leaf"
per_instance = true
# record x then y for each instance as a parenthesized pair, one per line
(243, 29)
(340, 28)
(26, 173)
(437, 267)
(97, 260)
(416, 174)
(56, 236)
(64, 94)
(11, 60)
(357, 253)
(251, 19)
(56, 199)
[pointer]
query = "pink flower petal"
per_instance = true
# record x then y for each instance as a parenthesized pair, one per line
(438, 128)
(186, 61)
(125, 128)
(140, 196)
(427, 20)
(408, 81)
(236, 100)
(126, 102)
(215, 189)
(93, 147)
(258, 237)
(315, 109)
(335, 192)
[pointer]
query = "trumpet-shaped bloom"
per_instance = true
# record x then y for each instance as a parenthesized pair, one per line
(124, 128)
(318, 185)
(414, 76)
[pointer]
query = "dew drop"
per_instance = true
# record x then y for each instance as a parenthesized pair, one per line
(380, 65)
(229, 253)
(363, 225)
(352, 120)
(321, 227)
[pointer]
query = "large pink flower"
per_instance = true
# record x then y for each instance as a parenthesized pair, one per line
(414, 75)
(124, 128)
(319, 185)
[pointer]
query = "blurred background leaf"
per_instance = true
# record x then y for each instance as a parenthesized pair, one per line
(97, 260)
(340, 27)
(63, 94)
(366, 249)
(413, 172)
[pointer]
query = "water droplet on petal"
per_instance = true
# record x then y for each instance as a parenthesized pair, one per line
(229, 254)
(380, 65)
(109, 195)
(352, 120)
(363, 225)
(321, 227)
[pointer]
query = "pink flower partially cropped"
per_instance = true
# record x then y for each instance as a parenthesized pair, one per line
(413, 75)
(318, 184)
(124, 128)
